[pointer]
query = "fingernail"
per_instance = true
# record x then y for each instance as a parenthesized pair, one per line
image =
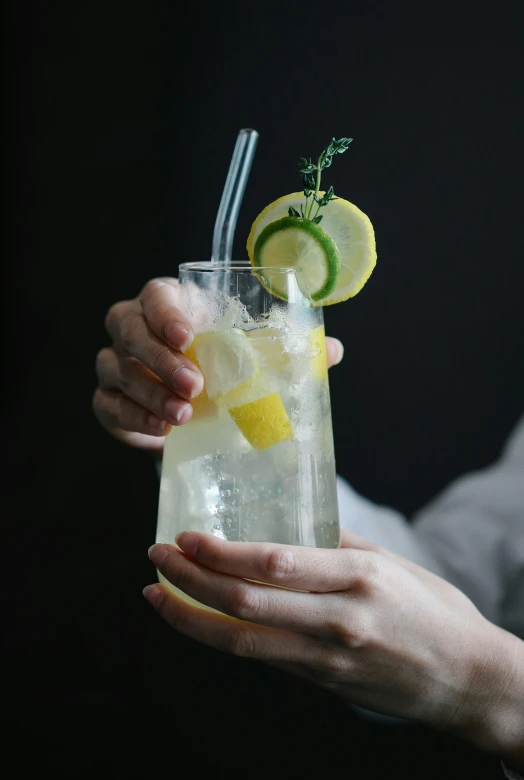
(187, 542)
(188, 383)
(157, 554)
(175, 410)
(154, 595)
(179, 336)
(182, 413)
(339, 351)
(155, 422)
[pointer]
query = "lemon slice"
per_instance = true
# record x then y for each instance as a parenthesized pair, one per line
(227, 360)
(202, 405)
(263, 422)
(293, 242)
(348, 227)
(317, 341)
(269, 344)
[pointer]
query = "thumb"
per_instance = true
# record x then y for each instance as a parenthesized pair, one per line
(335, 351)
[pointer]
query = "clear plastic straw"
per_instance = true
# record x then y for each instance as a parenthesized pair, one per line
(232, 195)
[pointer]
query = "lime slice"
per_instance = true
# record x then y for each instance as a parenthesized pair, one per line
(293, 242)
(227, 360)
(348, 227)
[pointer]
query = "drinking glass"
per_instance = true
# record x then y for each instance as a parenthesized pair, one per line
(256, 461)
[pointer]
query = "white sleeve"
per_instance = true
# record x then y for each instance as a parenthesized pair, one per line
(381, 525)
(475, 532)
(510, 773)
(472, 534)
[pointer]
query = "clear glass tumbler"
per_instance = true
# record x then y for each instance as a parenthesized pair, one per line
(256, 461)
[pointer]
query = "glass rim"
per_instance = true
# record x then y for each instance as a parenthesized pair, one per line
(235, 265)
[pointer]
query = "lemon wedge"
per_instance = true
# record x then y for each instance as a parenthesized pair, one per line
(269, 343)
(226, 359)
(263, 422)
(317, 342)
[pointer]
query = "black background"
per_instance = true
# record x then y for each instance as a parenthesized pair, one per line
(123, 119)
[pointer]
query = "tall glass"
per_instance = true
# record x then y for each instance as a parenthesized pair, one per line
(256, 461)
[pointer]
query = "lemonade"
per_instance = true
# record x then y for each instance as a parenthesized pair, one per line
(256, 461)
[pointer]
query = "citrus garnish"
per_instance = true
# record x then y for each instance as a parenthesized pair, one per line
(203, 406)
(269, 344)
(317, 341)
(263, 422)
(294, 242)
(323, 280)
(226, 359)
(348, 228)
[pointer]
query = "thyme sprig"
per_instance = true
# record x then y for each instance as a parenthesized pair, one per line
(311, 177)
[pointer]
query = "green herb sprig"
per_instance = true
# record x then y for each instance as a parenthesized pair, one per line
(311, 176)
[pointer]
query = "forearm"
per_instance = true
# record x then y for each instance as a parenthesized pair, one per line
(492, 714)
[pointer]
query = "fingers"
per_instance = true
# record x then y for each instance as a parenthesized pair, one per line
(141, 441)
(303, 568)
(351, 540)
(230, 635)
(160, 300)
(348, 539)
(256, 602)
(334, 350)
(154, 330)
(131, 333)
(116, 412)
(129, 376)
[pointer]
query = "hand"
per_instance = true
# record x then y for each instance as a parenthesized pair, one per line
(145, 382)
(362, 622)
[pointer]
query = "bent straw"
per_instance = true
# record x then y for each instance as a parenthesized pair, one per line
(232, 195)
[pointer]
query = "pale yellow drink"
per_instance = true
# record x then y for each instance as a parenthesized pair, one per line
(256, 463)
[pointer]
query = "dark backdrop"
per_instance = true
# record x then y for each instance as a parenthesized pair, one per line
(123, 119)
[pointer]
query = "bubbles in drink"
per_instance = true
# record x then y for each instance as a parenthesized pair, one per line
(261, 468)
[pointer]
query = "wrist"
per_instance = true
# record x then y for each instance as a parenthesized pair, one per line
(491, 715)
